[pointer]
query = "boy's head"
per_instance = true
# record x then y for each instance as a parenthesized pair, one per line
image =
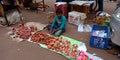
(59, 13)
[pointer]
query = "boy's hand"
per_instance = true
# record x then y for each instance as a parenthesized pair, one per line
(51, 32)
(57, 29)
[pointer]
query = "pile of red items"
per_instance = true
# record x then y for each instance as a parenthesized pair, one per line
(50, 41)
(83, 56)
(56, 43)
(40, 37)
(74, 52)
(23, 31)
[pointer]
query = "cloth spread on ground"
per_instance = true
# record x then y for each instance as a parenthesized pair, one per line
(73, 41)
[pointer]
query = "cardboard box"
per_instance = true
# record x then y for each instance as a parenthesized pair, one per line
(78, 8)
(76, 17)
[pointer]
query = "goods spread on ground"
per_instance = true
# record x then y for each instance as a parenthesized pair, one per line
(22, 31)
(57, 44)
(63, 45)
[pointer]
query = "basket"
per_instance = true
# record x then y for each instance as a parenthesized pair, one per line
(97, 41)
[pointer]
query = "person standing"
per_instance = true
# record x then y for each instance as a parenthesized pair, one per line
(100, 5)
(91, 6)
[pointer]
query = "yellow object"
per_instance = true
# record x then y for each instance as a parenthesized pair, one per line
(101, 19)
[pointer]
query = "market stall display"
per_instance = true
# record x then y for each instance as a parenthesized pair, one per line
(68, 47)
(23, 32)
(73, 51)
(102, 20)
(63, 45)
(57, 44)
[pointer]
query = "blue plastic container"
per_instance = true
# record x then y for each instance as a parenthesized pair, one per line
(100, 42)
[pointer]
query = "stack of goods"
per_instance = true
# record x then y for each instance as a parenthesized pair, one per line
(24, 32)
(40, 37)
(56, 44)
(102, 20)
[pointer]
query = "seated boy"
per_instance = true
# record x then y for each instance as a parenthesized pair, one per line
(58, 24)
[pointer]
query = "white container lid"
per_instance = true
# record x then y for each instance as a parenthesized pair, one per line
(60, 3)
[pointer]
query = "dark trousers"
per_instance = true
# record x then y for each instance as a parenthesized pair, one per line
(100, 5)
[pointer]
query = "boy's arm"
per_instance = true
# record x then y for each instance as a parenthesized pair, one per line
(63, 23)
(53, 23)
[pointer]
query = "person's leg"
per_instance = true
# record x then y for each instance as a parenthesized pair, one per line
(100, 5)
(91, 9)
(48, 26)
(58, 33)
(91, 6)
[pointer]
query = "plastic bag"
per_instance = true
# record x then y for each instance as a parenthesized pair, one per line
(12, 17)
(84, 28)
